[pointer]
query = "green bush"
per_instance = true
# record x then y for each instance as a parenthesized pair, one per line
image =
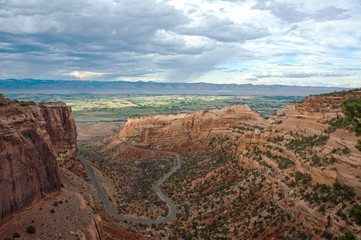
(355, 212)
(23, 104)
(358, 145)
(31, 230)
(352, 111)
(16, 235)
(327, 235)
(348, 235)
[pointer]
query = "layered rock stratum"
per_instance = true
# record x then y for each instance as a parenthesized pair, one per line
(33, 138)
(181, 131)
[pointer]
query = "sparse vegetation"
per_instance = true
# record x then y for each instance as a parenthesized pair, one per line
(24, 104)
(31, 230)
(355, 212)
(16, 235)
(352, 112)
(348, 235)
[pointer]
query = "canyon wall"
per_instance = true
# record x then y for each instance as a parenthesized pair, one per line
(32, 139)
(182, 131)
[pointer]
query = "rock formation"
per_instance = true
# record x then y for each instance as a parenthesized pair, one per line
(32, 138)
(177, 132)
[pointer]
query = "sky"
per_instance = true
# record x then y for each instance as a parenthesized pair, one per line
(290, 42)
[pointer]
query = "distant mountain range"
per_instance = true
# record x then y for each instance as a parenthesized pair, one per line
(123, 87)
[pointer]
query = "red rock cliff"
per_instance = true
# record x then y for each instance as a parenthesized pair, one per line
(32, 138)
(177, 132)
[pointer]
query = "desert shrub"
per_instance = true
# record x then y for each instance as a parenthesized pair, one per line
(355, 212)
(303, 143)
(31, 230)
(358, 145)
(348, 235)
(327, 235)
(16, 235)
(352, 111)
(303, 178)
(283, 163)
(346, 150)
(23, 104)
(337, 123)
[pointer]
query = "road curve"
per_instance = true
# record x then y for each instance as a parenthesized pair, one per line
(172, 209)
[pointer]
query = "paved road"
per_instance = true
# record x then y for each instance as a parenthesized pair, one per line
(172, 209)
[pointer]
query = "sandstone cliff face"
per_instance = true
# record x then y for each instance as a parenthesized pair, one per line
(178, 132)
(32, 138)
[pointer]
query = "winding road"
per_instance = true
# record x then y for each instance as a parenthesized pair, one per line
(172, 209)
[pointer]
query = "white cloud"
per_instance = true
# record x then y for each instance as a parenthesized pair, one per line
(143, 79)
(275, 40)
(85, 74)
(293, 74)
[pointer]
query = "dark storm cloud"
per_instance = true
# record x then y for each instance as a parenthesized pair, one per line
(87, 33)
(195, 66)
(111, 36)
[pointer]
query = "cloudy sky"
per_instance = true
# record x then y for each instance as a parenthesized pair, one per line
(293, 42)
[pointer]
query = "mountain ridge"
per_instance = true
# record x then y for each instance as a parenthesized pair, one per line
(126, 87)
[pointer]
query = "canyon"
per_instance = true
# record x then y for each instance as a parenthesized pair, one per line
(246, 130)
(308, 166)
(294, 175)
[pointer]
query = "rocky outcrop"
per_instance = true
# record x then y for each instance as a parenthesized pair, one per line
(319, 107)
(93, 229)
(178, 132)
(32, 138)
